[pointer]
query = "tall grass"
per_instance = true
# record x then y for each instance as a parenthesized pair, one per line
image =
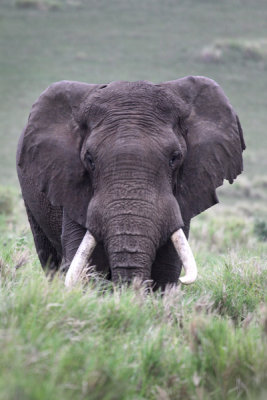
(206, 341)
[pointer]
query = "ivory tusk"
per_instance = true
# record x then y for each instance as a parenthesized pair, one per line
(185, 253)
(80, 259)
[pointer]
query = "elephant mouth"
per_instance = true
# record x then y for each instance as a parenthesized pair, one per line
(89, 243)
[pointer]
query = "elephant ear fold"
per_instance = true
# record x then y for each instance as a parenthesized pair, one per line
(49, 149)
(214, 140)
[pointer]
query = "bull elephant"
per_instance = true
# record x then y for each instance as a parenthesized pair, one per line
(114, 173)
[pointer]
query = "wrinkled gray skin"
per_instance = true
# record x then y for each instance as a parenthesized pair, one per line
(131, 162)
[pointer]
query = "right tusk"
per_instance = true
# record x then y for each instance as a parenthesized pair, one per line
(185, 253)
(80, 259)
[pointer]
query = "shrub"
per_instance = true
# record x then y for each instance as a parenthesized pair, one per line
(39, 4)
(6, 201)
(260, 230)
(223, 50)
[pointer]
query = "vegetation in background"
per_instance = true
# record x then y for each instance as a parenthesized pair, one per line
(99, 41)
(260, 229)
(235, 50)
(47, 5)
(38, 4)
(6, 200)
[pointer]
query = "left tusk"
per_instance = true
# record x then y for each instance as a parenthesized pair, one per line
(185, 253)
(80, 259)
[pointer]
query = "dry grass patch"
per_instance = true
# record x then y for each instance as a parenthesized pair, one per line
(234, 49)
(42, 5)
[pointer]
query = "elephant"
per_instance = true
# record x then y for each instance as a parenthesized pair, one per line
(112, 174)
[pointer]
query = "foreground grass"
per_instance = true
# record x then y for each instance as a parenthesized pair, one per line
(207, 341)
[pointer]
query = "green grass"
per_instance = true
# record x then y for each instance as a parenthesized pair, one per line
(127, 344)
(204, 341)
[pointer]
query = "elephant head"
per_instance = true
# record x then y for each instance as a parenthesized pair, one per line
(133, 163)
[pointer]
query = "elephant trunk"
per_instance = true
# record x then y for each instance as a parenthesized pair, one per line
(126, 265)
(132, 230)
(131, 242)
(130, 256)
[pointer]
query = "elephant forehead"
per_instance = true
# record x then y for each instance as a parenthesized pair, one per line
(132, 98)
(134, 137)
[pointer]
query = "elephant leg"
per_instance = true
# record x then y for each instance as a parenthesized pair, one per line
(48, 255)
(72, 235)
(167, 266)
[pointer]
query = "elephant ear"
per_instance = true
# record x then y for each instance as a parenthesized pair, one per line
(214, 143)
(49, 149)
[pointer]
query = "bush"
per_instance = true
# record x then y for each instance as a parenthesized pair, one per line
(223, 50)
(39, 4)
(221, 232)
(260, 230)
(6, 201)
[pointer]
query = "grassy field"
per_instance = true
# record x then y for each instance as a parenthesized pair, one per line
(206, 341)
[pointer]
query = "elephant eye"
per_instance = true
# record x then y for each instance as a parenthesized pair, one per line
(175, 158)
(89, 160)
